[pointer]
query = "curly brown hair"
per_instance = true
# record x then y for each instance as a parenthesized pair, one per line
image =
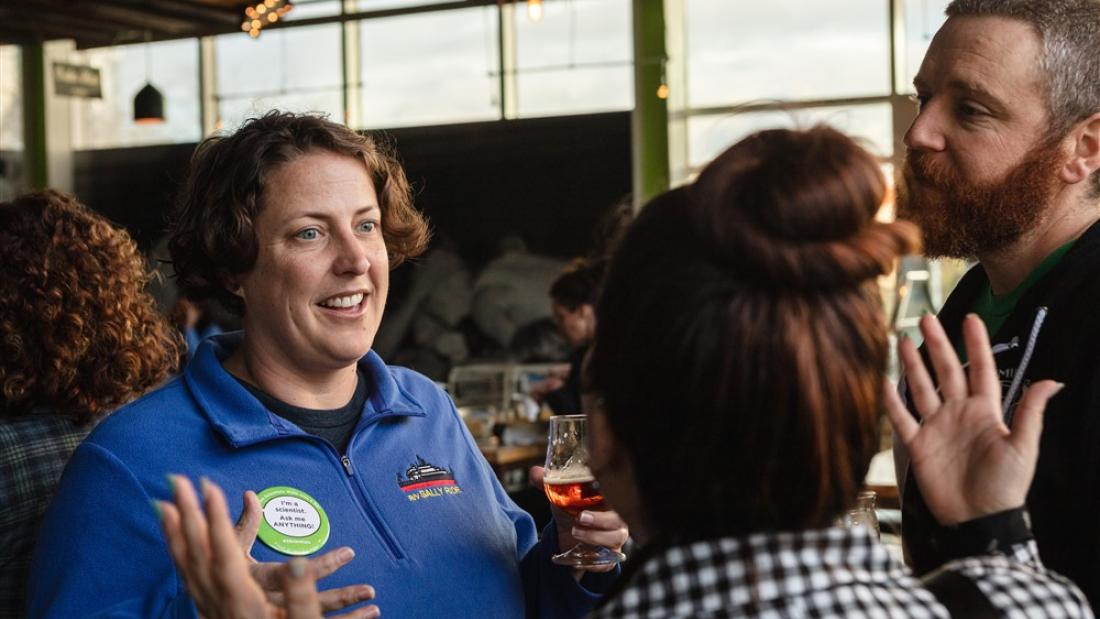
(79, 336)
(213, 237)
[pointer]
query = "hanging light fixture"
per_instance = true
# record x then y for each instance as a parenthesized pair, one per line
(262, 14)
(148, 103)
(534, 10)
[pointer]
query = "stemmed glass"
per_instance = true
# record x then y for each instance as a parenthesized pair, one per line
(571, 486)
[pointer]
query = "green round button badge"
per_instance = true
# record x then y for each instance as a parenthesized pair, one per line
(294, 522)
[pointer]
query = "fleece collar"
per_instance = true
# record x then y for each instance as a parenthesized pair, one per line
(243, 420)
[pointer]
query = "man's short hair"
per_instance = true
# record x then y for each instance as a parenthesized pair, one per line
(1070, 61)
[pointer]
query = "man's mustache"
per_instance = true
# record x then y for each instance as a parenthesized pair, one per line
(918, 167)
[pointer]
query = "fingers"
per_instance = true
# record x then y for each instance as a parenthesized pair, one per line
(535, 475)
(173, 532)
(300, 588)
(945, 361)
(367, 612)
(335, 599)
(600, 528)
(983, 370)
(331, 561)
(249, 522)
(920, 383)
(193, 525)
(270, 578)
(225, 548)
(905, 427)
(1028, 423)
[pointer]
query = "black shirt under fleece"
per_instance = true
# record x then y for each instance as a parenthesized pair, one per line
(334, 425)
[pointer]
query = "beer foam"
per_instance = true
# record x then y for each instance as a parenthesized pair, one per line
(572, 475)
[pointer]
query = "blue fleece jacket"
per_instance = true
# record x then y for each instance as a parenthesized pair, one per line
(451, 548)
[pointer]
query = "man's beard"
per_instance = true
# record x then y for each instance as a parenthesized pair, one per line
(967, 220)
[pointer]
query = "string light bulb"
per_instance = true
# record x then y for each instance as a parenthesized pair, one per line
(264, 13)
(662, 87)
(534, 10)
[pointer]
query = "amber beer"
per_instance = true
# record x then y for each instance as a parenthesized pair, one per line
(573, 493)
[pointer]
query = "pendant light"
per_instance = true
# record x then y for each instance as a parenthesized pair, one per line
(148, 103)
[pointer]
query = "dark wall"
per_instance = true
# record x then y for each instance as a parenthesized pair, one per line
(132, 186)
(548, 180)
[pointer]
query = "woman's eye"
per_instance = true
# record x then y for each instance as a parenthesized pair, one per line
(367, 226)
(309, 234)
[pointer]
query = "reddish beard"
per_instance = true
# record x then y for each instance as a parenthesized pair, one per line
(967, 220)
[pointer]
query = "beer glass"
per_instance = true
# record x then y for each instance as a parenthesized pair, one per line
(570, 485)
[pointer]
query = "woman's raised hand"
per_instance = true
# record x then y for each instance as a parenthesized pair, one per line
(218, 572)
(968, 463)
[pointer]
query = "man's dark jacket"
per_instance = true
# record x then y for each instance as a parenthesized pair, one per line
(1053, 333)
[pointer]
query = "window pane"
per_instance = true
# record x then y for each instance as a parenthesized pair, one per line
(786, 50)
(710, 135)
(171, 66)
(577, 58)
(11, 98)
(293, 69)
(378, 5)
(12, 181)
(430, 68)
(922, 20)
(309, 9)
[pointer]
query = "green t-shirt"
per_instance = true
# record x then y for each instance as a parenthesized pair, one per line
(994, 310)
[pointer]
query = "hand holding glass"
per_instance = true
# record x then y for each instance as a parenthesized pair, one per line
(571, 486)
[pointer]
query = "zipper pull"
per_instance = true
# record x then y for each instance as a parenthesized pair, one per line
(347, 465)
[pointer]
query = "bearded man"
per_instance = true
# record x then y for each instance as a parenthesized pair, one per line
(1001, 167)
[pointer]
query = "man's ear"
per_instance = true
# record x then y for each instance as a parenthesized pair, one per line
(1085, 157)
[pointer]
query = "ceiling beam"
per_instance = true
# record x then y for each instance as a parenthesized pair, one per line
(113, 15)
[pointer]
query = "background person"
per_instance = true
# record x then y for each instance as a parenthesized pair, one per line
(78, 338)
(295, 222)
(1001, 167)
(573, 305)
(739, 364)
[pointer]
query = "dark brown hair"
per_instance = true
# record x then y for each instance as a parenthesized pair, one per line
(79, 336)
(213, 228)
(741, 346)
(578, 284)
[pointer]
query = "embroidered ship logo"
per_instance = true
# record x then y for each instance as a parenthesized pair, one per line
(424, 480)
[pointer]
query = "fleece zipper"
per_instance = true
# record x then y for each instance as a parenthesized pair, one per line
(369, 509)
(366, 506)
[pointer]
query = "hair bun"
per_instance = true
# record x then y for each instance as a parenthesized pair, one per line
(795, 210)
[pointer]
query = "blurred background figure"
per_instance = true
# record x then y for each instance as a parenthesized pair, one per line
(195, 321)
(78, 338)
(573, 304)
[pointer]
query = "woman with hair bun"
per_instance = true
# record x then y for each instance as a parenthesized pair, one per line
(738, 380)
(79, 337)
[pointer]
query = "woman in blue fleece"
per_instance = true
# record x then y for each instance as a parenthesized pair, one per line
(294, 222)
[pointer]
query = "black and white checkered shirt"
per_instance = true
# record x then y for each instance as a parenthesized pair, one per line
(827, 573)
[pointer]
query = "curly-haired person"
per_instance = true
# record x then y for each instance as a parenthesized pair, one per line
(79, 336)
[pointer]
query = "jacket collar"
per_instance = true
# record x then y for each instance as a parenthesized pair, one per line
(242, 420)
(1058, 287)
